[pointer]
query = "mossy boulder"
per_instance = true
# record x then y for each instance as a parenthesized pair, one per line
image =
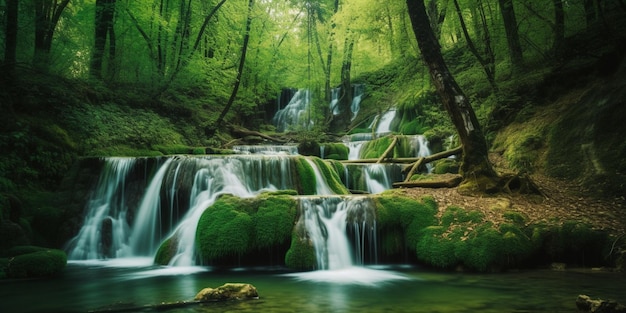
(403, 218)
(226, 292)
(44, 263)
(235, 226)
(301, 254)
(335, 151)
(307, 182)
(465, 238)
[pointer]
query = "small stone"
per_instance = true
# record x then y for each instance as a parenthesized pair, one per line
(229, 291)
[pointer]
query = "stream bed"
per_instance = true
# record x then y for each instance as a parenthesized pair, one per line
(97, 285)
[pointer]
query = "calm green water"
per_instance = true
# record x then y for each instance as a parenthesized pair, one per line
(87, 287)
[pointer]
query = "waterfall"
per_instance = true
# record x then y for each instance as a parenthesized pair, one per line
(322, 185)
(266, 149)
(356, 100)
(334, 108)
(326, 220)
(295, 113)
(384, 123)
(106, 215)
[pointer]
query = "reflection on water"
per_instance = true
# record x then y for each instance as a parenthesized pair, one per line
(89, 286)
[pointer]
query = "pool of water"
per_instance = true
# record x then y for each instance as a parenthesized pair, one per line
(91, 286)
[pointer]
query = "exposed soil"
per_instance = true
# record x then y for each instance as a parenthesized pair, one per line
(562, 201)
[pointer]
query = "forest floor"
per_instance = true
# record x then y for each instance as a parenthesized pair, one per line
(561, 201)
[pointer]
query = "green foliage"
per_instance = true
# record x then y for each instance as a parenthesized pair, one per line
(37, 264)
(375, 148)
(301, 254)
(19, 250)
(172, 149)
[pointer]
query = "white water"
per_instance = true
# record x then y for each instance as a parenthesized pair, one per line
(334, 100)
(295, 113)
(321, 184)
(356, 101)
(384, 124)
(107, 202)
(267, 149)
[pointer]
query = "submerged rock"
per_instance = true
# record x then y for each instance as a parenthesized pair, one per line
(584, 303)
(229, 291)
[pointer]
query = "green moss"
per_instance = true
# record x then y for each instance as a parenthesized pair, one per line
(166, 252)
(306, 176)
(336, 151)
(457, 215)
(516, 218)
(37, 264)
(223, 230)
(435, 249)
(273, 222)
(375, 148)
(172, 149)
(396, 211)
(445, 166)
(198, 151)
(20, 250)
(331, 177)
(301, 254)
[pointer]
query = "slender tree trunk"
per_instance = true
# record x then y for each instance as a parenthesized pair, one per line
(10, 42)
(486, 63)
(512, 36)
(475, 166)
(242, 61)
(47, 16)
(103, 27)
(559, 26)
(329, 55)
(437, 15)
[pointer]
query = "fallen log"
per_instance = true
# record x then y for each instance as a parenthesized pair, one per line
(414, 168)
(245, 132)
(428, 159)
(446, 183)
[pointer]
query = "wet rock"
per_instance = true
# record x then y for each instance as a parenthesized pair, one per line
(584, 303)
(229, 291)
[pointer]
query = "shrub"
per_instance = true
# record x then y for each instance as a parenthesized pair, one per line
(37, 264)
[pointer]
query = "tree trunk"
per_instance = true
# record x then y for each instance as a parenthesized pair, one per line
(342, 120)
(47, 16)
(486, 63)
(559, 26)
(103, 27)
(10, 42)
(437, 16)
(475, 165)
(242, 61)
(512, 36)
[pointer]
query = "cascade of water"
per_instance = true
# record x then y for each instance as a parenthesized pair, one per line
(384, 125)
(105, 215)
(334, 100)
(146, 236)
(354, 151)
(376, 178)
(295, 113)
(326, 220)
(321, 184)
(356, 101)
(266, 149)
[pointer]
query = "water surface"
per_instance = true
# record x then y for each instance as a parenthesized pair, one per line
(87, 286)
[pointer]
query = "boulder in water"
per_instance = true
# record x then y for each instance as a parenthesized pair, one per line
(229, 291)
(586, 304)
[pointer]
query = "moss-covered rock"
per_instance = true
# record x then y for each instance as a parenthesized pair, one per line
(445, 166)
(307, 182)
(331, 176)
(301, 254)
(396, 212)
(273, 221)
(166, 252)
(44, 263)
(335, 151)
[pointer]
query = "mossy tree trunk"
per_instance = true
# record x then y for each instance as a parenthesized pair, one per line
(475, 163)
